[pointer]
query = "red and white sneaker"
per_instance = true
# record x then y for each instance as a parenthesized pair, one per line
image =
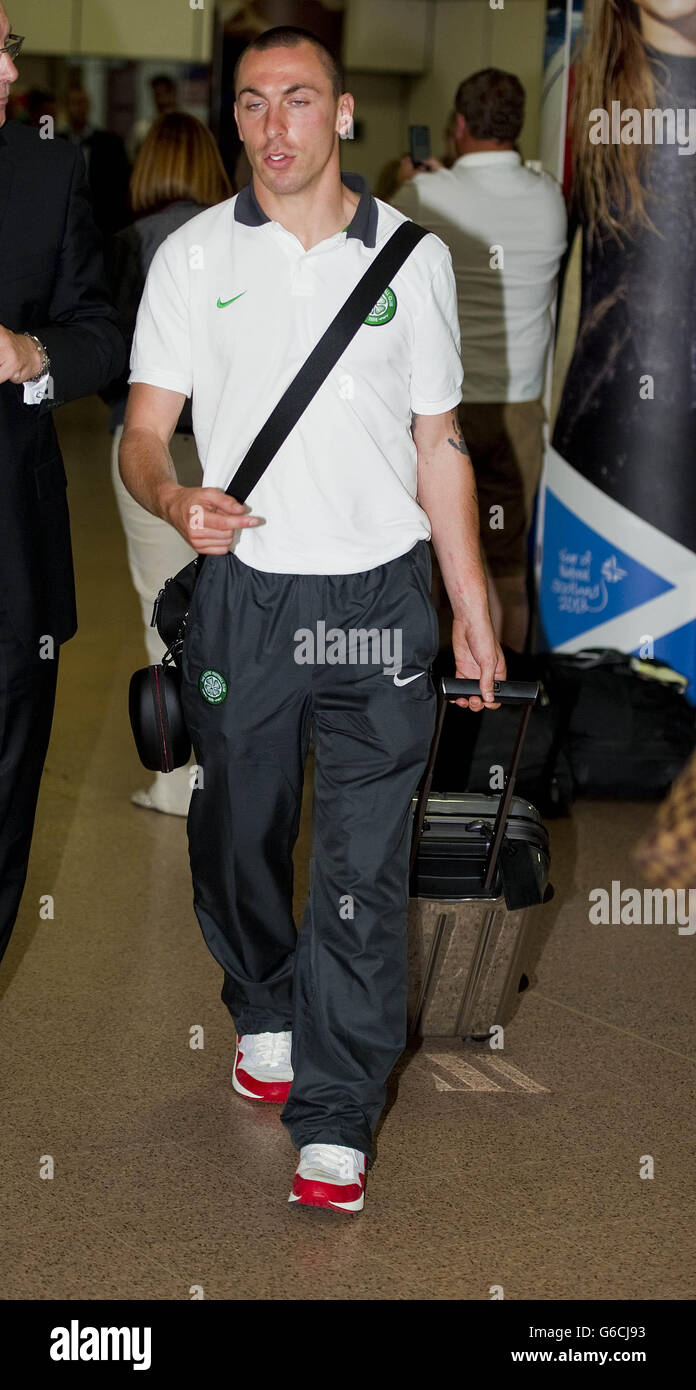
(262, 1068)
(330, 1175)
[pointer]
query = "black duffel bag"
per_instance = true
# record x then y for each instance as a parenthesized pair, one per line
(606, 724)
(629, 726)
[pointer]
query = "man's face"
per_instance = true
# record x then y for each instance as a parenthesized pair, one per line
(164, 97)
(8, 71)
(287, 116)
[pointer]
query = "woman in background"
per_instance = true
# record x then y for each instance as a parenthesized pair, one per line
(627, 419)
(178, 173)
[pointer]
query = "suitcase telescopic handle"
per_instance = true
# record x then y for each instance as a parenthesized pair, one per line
(507, 692)
(522, 693)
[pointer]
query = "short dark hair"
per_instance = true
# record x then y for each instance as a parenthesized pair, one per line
(492, 104)
(290, 36)
(162, 79)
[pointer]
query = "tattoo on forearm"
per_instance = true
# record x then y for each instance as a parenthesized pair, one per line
(459, 445)
(459, 442)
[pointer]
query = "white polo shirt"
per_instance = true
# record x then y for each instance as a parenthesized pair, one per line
(486, 200)
(232, 307)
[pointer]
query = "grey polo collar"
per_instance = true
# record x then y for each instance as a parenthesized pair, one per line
(363, 223)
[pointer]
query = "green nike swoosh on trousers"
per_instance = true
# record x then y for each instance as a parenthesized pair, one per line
(222, 304)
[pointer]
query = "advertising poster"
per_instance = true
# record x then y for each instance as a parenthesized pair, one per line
(617, 518)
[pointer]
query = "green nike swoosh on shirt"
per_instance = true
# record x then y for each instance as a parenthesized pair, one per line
(222, 303)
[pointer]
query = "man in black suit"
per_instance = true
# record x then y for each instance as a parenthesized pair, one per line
(59, 339)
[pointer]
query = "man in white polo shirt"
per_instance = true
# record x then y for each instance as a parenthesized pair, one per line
(334, 541)
(505, 226)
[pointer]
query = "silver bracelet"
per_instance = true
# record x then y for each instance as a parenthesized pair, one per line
(45, 360)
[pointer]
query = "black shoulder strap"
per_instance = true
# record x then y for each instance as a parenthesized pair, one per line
(323, 358)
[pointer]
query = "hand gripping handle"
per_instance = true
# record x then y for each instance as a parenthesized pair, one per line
(522, 693)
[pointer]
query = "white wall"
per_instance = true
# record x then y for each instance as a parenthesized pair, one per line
(468, 35)
(465, 35)
(154, 29)
(48, 25)
(381, 102)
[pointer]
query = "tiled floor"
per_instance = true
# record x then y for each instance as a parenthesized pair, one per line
(525, 1175)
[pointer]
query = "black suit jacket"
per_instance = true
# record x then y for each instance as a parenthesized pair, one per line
(51, 284)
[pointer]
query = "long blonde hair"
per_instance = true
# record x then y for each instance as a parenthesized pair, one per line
(609, 180)
(178, 159)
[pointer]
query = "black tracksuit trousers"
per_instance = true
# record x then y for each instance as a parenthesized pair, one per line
(258, 674)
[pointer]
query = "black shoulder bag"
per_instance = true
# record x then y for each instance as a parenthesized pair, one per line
(154, 700)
